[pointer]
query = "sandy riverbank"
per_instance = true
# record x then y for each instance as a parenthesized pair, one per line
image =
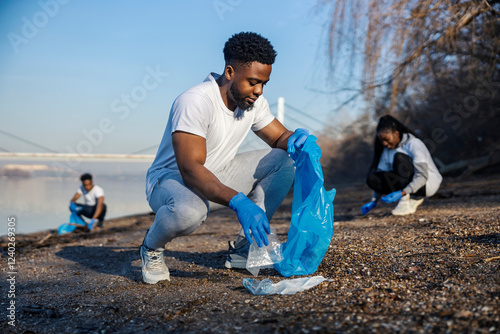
(429, 272)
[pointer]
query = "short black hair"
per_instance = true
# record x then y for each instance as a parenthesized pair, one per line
(246, 47)
(86, 176)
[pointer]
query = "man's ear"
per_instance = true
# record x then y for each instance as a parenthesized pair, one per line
(229, 72)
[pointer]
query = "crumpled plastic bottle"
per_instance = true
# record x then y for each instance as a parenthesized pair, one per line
(284, 287)
(264, 287)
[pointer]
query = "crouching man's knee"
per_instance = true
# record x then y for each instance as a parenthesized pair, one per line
(184, 218)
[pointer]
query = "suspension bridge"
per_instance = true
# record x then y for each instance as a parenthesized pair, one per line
(293, 118)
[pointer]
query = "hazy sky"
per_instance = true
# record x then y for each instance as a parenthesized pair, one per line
(100, 76)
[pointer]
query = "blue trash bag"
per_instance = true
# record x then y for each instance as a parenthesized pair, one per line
(311, 227)
(74, 221)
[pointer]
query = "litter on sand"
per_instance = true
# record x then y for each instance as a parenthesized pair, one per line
(284, 287)
(265, 256)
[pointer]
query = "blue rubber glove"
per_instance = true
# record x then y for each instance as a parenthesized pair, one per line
(73, 207)
(252, 218)
(297, 140)
(367, 207)
(90, 224)
(392, 197)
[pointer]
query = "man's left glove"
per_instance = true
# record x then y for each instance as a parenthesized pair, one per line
(392, 197)
(297, 140)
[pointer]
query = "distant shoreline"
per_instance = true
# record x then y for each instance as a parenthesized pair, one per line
(113, 221)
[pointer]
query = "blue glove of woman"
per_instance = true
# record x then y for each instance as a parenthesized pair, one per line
(367, 207)
(297, 140)
(392, 197)
(252, 218)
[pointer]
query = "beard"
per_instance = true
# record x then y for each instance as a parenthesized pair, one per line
(239, 100)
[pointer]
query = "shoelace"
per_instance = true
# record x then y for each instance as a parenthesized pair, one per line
(155, 259)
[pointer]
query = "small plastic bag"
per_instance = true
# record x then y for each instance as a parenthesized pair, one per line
(265, 256)
(311, 227)
(284, 287)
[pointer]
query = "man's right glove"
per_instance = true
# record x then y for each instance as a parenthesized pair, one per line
(252, 218)
(367, 207)
(296, 141)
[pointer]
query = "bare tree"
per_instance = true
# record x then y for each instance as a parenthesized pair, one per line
(434, 64)
(399, 43)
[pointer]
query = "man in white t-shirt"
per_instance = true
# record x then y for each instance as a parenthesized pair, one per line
(93, 207)
(197, 170)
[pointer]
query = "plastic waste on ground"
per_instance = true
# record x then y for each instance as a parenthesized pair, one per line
(284, 287)
(265, 256)
(311, 227)
(74, 222)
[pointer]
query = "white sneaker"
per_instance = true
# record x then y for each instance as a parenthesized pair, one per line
(153, 265)
(404, 207)
(414, 203)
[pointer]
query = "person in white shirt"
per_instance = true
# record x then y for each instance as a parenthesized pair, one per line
(197, 169)
(402, 169)
(93, 207)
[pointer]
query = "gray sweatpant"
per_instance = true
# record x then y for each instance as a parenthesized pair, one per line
(265, 176)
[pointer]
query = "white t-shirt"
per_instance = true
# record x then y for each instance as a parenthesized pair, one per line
(416, 149)
(201, 111)
(90, 197)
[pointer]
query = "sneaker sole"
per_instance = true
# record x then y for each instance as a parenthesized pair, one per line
(403, 214)
(236, 263)
(153, 281)
(414, 209)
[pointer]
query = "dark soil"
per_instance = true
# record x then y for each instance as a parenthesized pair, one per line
(436, 271)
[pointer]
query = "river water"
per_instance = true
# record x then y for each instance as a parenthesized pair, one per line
(41, 202)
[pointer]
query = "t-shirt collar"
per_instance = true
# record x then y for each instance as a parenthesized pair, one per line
(213, 77)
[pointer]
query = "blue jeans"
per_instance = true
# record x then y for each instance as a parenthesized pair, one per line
(89, 210)
(265, 176)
